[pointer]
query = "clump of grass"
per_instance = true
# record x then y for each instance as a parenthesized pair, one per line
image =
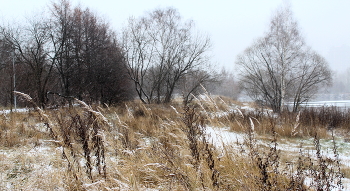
(16, 130)
(326, 117)
(199, 146)
(288, 124)
(77, 131)
(325, 171)
(267, 161)
(84, 132)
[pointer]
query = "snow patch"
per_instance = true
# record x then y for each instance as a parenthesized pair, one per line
(222, 136)
(20, 110)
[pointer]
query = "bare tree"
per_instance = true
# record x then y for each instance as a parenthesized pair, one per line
(71, 47)
(31, 43)
(61, 19)
(6, 72)
(89, 62)
(280, 67)
(311, 74)
(197, 83)
(160, 49)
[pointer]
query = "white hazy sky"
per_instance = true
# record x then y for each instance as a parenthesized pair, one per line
(231, 24)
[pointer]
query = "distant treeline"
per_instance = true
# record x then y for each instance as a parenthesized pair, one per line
(70, 52)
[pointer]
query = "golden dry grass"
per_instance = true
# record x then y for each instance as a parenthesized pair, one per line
(141, 146)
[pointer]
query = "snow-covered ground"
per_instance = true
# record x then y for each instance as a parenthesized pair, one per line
(19, 110)
(222, 136)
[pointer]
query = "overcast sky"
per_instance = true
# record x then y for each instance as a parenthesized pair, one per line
(231, 24)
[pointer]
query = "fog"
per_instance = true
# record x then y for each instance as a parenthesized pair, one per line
(231, 25)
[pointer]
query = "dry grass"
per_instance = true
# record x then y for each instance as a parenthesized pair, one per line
(287, 124)
(138, 147)
(18, 129)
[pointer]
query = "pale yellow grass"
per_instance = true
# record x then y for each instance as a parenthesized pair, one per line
(145, 147)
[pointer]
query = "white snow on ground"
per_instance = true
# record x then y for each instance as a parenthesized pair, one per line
(19, 110)
(247, 107)
(222, 136)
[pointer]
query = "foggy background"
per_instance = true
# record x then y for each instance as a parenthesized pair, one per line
(231, 25)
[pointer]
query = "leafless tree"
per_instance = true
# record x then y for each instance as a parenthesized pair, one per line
(311, 74)
(280, 67)
(31, 43)
(160, 50)
(69, 52)
(196, 83)
(6, 72)
(89, 62)
(61, 19)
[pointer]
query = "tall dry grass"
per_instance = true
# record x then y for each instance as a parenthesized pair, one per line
(305, 123)
(164, 147)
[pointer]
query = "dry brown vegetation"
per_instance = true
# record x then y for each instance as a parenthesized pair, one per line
(162, 147)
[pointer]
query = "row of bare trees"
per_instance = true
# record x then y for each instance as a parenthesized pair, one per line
(72, 52)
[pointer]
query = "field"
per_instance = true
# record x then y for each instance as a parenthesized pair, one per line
(208, 144)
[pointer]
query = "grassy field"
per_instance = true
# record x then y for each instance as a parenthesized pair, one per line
(172, 147)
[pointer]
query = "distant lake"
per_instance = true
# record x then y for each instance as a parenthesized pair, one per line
(343, 104)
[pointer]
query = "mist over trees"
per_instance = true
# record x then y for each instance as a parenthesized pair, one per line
(280, 67)
(228, 85)
(70, 52)
(340, 89)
